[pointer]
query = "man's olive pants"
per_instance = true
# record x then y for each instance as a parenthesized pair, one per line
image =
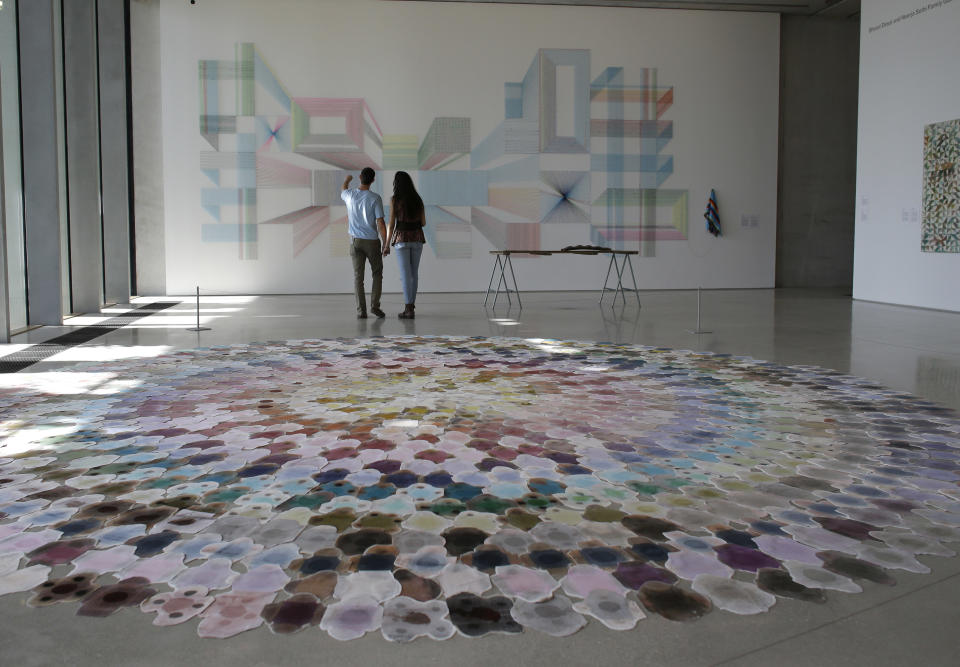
(360, 251)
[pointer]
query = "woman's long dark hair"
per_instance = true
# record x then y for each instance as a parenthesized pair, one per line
(406, 201)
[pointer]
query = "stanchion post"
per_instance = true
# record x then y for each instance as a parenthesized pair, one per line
(698, 330)
(198, 327)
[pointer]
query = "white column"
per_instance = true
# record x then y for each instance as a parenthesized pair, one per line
(81, 109)
(114, 155)
(41, 192)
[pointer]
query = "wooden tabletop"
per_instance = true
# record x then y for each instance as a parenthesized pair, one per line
(584, 251)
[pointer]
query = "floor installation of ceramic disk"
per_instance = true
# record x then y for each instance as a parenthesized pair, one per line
(427, 486)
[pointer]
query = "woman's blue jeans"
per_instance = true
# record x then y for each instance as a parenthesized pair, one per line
(408, 259)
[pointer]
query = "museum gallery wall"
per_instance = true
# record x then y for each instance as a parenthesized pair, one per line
(523, 127)
(908, 190)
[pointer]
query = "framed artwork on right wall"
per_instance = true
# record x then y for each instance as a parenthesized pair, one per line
(941, 187)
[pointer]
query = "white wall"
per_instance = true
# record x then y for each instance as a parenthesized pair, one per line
(413, 61)
(908, 79)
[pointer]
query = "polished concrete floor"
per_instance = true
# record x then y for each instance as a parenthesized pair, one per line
(907, 349)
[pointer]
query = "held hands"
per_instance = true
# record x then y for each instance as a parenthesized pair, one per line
(386, 250)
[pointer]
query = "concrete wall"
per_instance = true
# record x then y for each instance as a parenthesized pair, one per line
(818, 151)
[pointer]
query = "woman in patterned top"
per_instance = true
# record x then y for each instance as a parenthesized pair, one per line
(405, 233)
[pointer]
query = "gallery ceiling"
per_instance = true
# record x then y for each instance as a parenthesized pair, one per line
(829, 8)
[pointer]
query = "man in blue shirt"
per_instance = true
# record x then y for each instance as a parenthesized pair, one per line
(367, 233)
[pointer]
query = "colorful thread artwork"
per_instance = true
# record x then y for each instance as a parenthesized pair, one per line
(711, 215)
(431, 486)
(573, 149)
(941, 187)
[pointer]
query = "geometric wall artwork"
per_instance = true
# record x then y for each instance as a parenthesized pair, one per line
(941, 187)
(586, 153)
